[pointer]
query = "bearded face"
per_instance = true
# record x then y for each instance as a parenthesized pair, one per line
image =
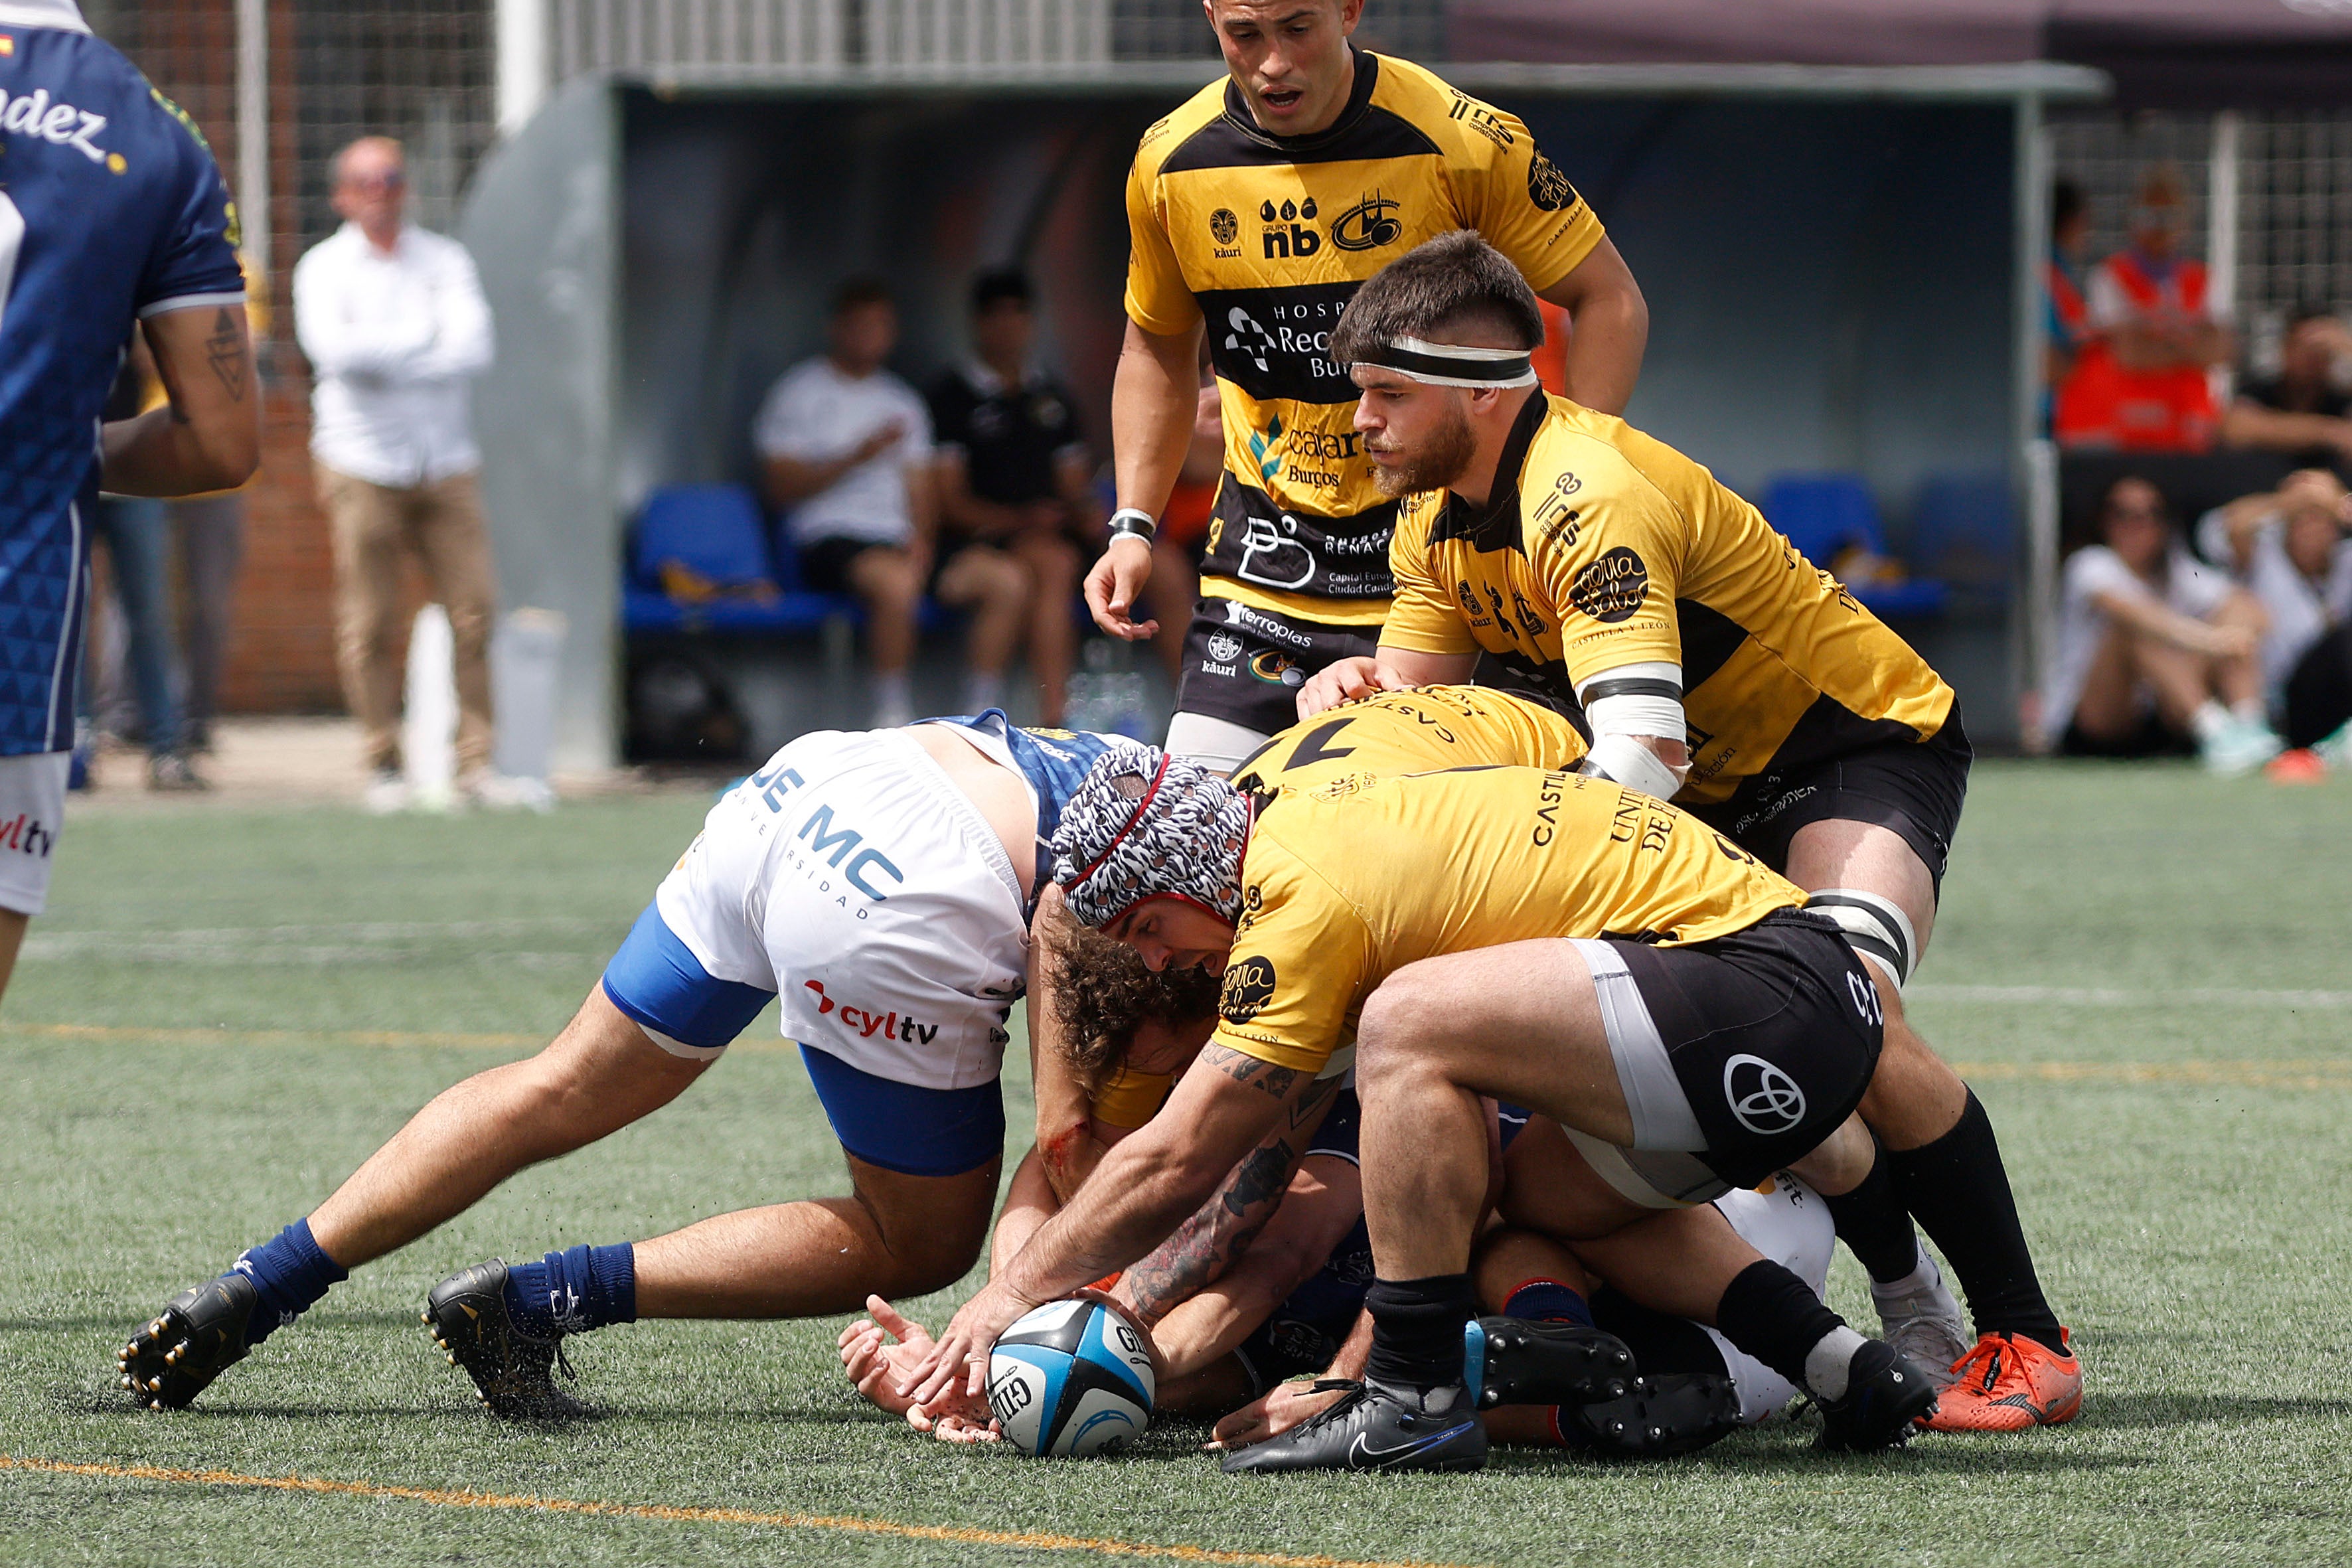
(1431, 459)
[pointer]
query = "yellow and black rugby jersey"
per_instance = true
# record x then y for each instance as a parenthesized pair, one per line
(1411, 733)
(1351, 879)
(1129, 1097)
(1602, 547)
(1268, 238)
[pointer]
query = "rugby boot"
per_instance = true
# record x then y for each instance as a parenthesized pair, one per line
(1657, 1418)
(1375, 1429)
(512, 1369)
(1884, 1394)
(1522, 1361)
(200, 1333)
(2008, 1382)
(1924, 1324)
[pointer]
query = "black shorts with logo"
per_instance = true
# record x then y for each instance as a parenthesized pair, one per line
(1773, 1033)
(1914, 788)
(1245, 665)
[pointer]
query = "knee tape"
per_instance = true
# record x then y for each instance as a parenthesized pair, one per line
(1877, 926)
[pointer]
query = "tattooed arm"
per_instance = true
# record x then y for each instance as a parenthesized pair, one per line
(1205, 1246)
(209, 436)
(1221, 1109)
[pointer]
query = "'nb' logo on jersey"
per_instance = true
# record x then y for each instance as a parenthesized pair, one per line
(32, 114)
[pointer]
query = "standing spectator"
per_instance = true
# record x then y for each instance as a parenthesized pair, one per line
(2289, 548)
(137, 547)
(2301, 411)
(2155, 651)
(2142, 381)
(2066, 322)
(393, 322)
(846, 448)
(1014, 472)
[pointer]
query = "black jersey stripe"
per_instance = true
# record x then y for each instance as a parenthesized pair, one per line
(1709, 640)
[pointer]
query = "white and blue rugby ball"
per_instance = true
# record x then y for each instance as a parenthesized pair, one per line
(1069, 1379)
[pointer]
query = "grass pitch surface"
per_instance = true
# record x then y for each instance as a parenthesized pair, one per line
(2144, 972)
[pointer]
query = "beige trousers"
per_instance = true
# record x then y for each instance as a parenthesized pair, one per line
(374, 527)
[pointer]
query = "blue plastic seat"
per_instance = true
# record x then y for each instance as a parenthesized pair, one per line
(716, 532)
(1824, 515)
(1964, 528)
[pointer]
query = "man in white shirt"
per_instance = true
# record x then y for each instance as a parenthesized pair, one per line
(845, 447)
(393, 322)
(2155, 649)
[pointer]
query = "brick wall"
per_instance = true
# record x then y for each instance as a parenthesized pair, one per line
(282, 650)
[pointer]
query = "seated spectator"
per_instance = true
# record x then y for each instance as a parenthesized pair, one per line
(2290, 548)
(846, 449)
(2300, 411)
(1013, 472)
(2155, 651)
(2140, 380)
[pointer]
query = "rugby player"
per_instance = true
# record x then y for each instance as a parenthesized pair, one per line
(1253, 211)
(1719, 1034)
(113, 219)
(882, 885)
(1718, 667)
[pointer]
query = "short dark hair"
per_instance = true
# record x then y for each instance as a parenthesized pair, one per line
(1453, 282)
(2066, 203)
(2308, 310)
(857, 293)
(2107, 496)
(999, 284)
(1103, 994)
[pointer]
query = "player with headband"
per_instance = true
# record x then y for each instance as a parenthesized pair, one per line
(1720, 669)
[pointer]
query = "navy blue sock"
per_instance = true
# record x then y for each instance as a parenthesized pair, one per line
(572, 1291)
(1547, 1302)
(291, 1272)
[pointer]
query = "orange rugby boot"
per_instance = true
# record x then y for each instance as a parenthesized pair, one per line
(2008, 1384)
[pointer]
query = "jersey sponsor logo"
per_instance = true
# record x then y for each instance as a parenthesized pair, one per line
(1224, 648)
(1272, 554)
(1240, 615)
(866, 1023)
(1262, 446)
(1611, 588)
(1225, 228)
(1369, 225)
(1547, 186)
(1763, 1098)
(1285, 237)
(842, 848)
(1249, 986)
(32, 114)
(1485, 121)
(1469, 597)
(1275, 342)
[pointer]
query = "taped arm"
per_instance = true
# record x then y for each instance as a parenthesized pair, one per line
(1639, 733)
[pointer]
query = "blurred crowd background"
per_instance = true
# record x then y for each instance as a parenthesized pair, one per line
(2155, 563)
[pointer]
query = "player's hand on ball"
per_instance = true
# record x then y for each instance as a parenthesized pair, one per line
(960, 1356)
(957, 1417)
(1112, 584)
(1272, 1413)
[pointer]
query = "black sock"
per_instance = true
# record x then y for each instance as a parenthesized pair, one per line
(1417, 1330)
(1958, 1192)
(1874, 1225)
(1775, 1317)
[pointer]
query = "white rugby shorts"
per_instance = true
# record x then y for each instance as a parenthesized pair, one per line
(32, 811)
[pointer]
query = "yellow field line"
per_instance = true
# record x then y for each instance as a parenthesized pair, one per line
(965, 1535)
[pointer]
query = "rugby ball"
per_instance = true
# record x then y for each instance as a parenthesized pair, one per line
(1069, 1379)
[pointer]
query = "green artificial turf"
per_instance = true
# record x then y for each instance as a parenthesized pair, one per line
(2145, 969)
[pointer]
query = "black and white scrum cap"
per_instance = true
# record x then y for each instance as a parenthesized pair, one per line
(1454, 364)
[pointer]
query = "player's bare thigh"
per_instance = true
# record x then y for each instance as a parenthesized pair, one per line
(1520, 1022)
(1839, 854)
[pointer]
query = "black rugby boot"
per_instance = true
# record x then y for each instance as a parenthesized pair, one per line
(200, 1333)
(1522, 1361)
(1884, 1394)
(1375, 1429)
(512, 1369)
(1659, 1418)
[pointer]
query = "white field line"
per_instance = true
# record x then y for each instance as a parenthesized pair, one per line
(2103, 996)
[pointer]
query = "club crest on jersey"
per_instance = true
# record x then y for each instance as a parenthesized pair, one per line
(1369, 225)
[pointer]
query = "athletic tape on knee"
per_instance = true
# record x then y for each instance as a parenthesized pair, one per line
(1875, 925)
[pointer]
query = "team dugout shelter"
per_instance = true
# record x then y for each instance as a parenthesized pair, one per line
(1842, 265)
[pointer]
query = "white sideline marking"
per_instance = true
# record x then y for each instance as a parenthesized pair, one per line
(2100, 997)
